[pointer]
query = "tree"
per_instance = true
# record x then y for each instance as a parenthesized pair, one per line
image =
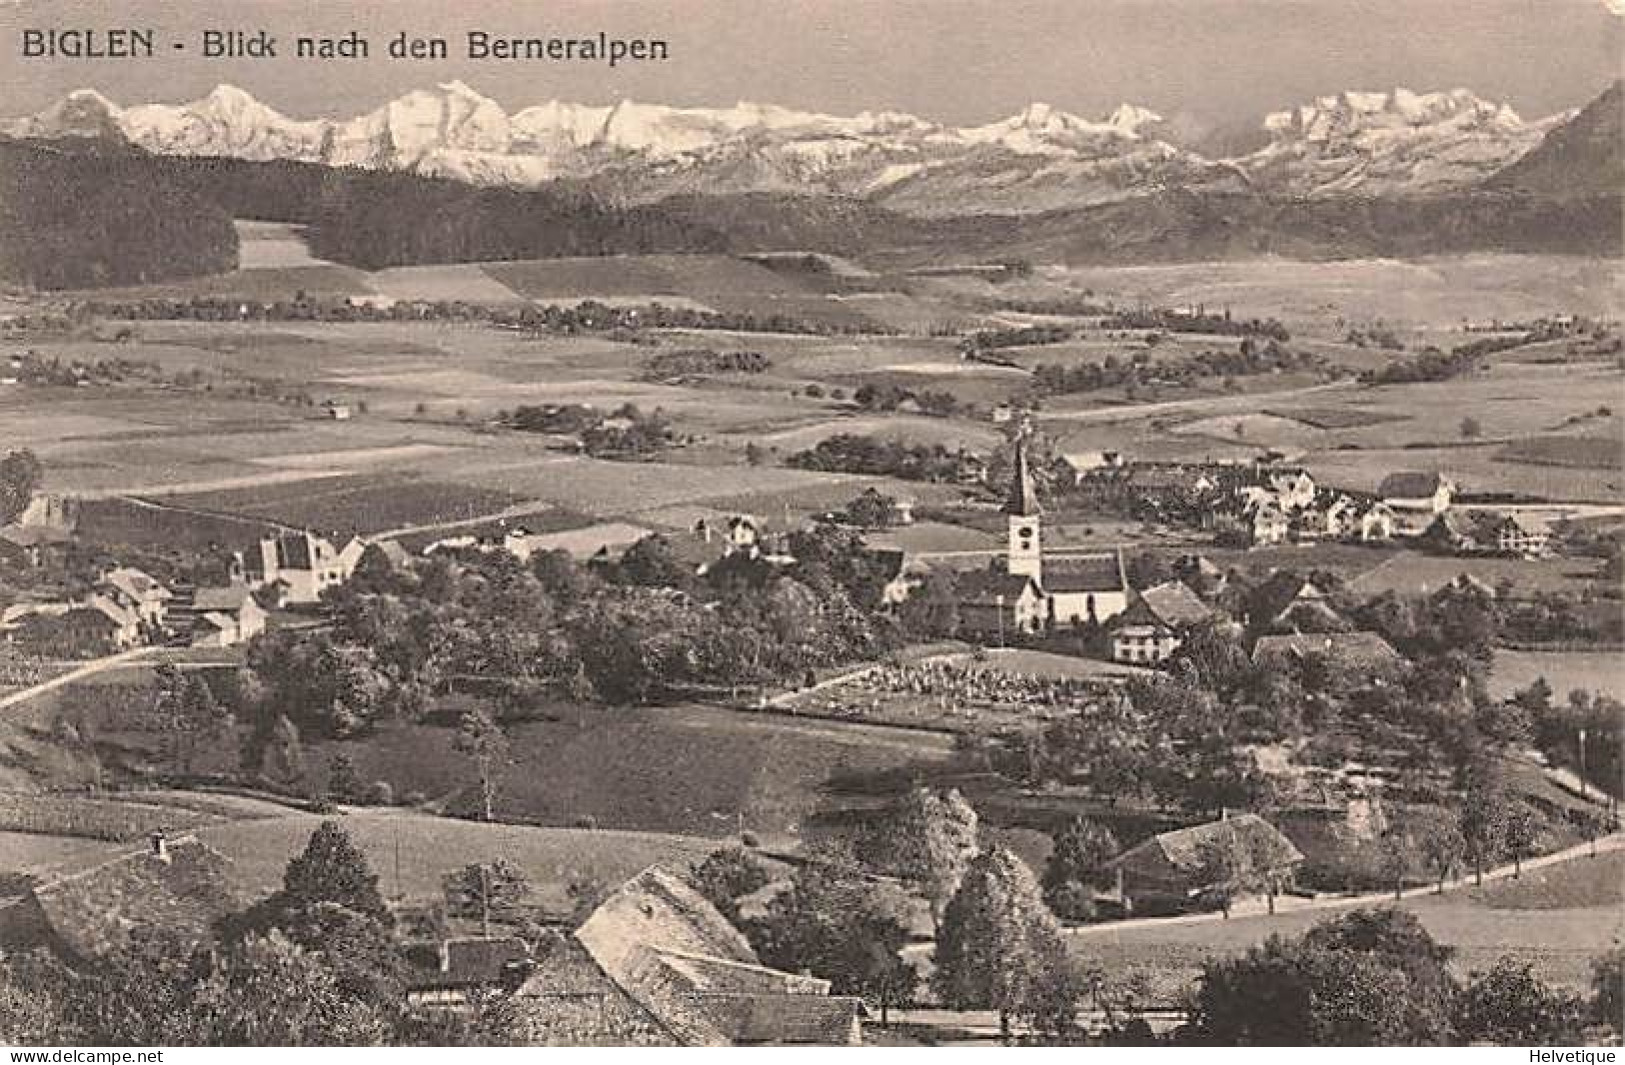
(267, 991)
(484, 890)
(1608, 988)
(1399, 940)
(1484, 812)
(842, 926)
(726, 876)
(998, 946)
(1522, 829)
(1511, 1006)
(185, 713)
(332, 869)
(1471, 428)
(343, 779)
(19, 477)
(486, 745)
(1229, 865)
(1286, 993)
(1438, 838)
(1369, 978)
(1077, 861)
(928, 837)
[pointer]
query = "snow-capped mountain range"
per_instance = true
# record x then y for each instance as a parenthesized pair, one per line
(1388, 143)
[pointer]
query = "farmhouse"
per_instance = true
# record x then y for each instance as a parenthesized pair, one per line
(1150, 630)
(1416, 499)
(177, 886)
(1287, 601)
(1172, 871)
(657, 965)
(303, 564)
(137, 591)
(1365, 650)
(467, 966)
(218, 617)
(1522, 535)
(993, 602)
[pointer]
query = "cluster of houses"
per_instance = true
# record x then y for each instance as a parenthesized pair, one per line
(127, 607)
(1263, 504)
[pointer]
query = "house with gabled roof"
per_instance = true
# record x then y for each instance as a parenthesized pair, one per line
(1365, 650)
(219, 617)
(1170, 872)
(302, 564)
(1153, 626)
(657, 965)
(1288, 601)
(178, 887)
(139, 591)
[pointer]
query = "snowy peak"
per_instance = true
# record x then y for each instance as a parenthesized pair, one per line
(1350, 114)
(1039, 128)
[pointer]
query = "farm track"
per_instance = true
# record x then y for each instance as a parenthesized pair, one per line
(89, 669)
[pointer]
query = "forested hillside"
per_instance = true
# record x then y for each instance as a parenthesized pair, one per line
(85, 214)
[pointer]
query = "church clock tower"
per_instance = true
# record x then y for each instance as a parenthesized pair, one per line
(1025, 557)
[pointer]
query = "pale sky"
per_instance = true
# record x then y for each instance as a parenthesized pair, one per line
(1205, 63)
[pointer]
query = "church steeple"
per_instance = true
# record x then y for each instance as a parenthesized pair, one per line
(1025, 554)
(1023, 499)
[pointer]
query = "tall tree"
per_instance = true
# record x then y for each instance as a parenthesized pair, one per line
(841, 925)
(928, 837)
(486, 890)
(1511, 1006)
(727, 875)
(1076, 865)
(19, 477)
(332, 869)
(481, 738)
(999, 947)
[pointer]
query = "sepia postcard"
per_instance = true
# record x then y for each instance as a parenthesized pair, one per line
(831, 523)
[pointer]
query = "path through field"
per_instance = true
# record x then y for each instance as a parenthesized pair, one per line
(89, 669)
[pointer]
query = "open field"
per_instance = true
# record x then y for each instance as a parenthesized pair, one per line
(1417, 573)
(684, 769)
(1557, 919)
(345, 506)
(1565, 671)
(412, 853)
(1435, 292)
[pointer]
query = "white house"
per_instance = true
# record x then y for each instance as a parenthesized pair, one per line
(1416, 499)
(305, 565)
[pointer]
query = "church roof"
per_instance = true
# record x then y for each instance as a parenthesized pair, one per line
(1085, 573)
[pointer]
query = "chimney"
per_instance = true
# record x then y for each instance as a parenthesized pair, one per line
(160, 845)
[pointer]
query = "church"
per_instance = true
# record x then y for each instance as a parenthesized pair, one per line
(1030, 593)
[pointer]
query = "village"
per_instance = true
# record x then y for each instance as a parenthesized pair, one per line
(809, 544)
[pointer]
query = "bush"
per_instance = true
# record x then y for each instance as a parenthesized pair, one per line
(750, 839)
(414, 798)
(382, 793)
(1073, 901)
(586, 821)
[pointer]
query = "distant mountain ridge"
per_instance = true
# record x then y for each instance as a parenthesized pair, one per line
(1398, 143)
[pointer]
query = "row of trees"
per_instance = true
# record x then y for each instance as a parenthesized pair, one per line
(877, 456)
